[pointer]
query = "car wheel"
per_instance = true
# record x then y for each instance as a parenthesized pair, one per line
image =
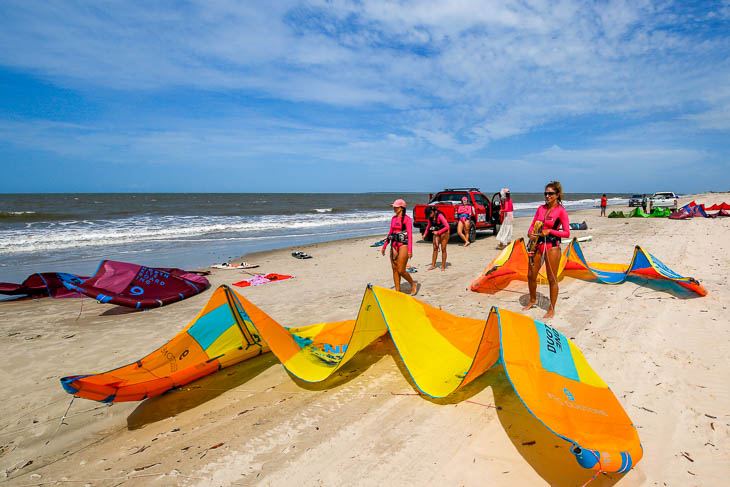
(472, 232)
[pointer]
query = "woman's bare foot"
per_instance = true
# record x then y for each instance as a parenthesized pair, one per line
(529, 305)
(549, 314)
(467, 244)
(414, 288)
(443, 268)
(431, 268)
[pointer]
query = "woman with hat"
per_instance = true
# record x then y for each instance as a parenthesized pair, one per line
(504, 237)
(400, 238)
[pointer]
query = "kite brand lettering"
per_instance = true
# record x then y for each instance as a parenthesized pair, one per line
(170, 358)
(553, 339)
(571, 404)
(334, 350)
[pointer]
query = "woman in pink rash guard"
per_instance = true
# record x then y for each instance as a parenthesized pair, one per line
(439, 226)
(555, 226)
(400, 238)
(463, 215)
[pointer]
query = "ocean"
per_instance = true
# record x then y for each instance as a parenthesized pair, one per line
(73, 232)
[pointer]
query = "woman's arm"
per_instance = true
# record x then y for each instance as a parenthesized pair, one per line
(390, 232)
(409, 230)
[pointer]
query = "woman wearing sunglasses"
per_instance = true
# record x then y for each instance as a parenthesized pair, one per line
(555, 225)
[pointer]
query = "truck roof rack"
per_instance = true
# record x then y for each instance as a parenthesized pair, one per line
(462, 189)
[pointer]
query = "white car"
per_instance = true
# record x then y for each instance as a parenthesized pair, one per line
(663, 199)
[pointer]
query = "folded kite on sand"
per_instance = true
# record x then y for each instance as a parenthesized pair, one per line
(137, 286)
(512, 263)
(44, 284)
(441, 352)
(262, 279)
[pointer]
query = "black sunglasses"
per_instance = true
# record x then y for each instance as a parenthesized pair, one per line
(550, 193)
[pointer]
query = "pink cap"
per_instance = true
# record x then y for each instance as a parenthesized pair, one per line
(399, 202)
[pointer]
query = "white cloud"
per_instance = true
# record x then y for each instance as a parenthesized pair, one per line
(446, 77)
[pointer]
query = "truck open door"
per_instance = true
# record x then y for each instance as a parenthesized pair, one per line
(496, 206)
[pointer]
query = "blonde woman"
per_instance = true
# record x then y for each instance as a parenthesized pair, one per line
(555, 225)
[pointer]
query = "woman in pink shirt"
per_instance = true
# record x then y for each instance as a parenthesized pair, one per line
(555, 225)
(463, 215)
(439, 226)
(400, 238)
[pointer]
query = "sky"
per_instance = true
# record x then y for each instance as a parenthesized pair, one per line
(362, 96)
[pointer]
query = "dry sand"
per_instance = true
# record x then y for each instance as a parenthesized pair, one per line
(663, 352)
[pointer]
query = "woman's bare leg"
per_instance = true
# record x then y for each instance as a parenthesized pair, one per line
(394, 265)
(435, 252)
(402, 261)
(460, 231)
(444, 241)
(532, 273)
(467, 225)
(552, 261)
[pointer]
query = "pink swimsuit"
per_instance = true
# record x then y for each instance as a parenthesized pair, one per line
(395, 227)
(557, 218)
(444, 226)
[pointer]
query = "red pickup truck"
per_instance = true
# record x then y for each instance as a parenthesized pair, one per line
(485, 213)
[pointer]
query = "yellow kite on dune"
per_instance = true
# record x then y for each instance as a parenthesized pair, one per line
(441, 352)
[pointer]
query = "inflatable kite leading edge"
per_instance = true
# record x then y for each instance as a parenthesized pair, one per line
(441, 352)
(511, 263)
(137, 286)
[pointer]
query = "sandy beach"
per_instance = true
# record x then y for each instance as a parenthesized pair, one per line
(663, 352)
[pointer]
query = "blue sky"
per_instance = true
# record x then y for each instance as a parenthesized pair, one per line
(608, 96)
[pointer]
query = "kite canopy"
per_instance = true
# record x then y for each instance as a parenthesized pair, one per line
(137, 286)
(512, 262)
(440, 351)
(617, 214)
(43, 284)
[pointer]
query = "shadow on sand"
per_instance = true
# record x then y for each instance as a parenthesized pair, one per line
(547, 454)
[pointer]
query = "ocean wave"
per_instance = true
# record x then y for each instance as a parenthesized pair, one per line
(573, 204)
(31, 216)
(65, 235)
(323, 210)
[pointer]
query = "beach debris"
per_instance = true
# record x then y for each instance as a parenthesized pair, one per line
(205, 452)
(686, 455)
(139, 469)
(301, 255)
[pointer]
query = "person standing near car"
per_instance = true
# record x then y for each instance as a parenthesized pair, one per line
(438, 226)
(400, 238)
(643, 203)
(464, 213)
(504, 237)
(604, 202)
(555, 225)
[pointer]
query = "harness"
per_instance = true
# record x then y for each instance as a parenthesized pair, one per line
(402, 236)
(551, 239)
(436, 225)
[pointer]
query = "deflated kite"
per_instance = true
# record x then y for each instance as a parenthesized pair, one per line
(441, 352)
(137, 286)
(512, 262)
(119, 283)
